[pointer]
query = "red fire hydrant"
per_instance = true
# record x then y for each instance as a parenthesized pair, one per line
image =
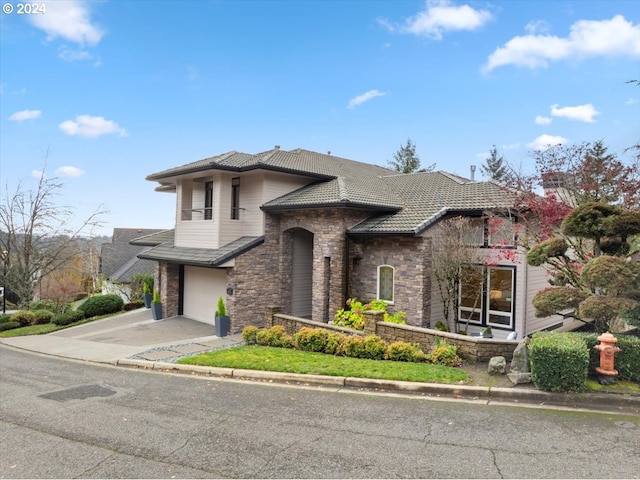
(607, 348)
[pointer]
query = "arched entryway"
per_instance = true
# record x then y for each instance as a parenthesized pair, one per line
(302, 273)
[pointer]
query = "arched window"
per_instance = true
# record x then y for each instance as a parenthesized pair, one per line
(385, 283)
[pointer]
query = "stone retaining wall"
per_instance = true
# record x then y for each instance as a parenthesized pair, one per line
(474, 349)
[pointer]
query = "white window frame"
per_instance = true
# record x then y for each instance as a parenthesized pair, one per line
(484, 309)
(500, 313)
(393, 284)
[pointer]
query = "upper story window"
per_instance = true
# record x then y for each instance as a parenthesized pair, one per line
(385, 283)
(235, 198)
(208, 200)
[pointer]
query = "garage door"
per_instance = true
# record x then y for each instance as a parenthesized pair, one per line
(202, 287)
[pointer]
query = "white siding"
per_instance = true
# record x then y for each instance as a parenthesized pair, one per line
(538, 280)
(202, 287)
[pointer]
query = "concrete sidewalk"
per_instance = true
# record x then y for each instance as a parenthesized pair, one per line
(134, 339)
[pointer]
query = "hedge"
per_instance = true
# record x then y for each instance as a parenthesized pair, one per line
(559, 362)
(101, 305)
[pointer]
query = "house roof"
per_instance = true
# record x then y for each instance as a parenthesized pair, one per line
(400, 203)
(118, 259)
(153, 239)
(203, 257)
(429, 196)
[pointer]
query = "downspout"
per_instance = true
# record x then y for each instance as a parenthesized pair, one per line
(345, 293)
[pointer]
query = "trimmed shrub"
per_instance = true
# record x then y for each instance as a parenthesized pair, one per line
(311, 339)
(101, 305)
(353, 346)
(404, 352)
(444, 353)
(10, 325)
(68, 318)
(44, 304)
(559, 362)
(249, 334)
(24, 318)
(334, 343)
(627, 360)
(5, 317)
(374, 347)
(275, 336)
(42, 317)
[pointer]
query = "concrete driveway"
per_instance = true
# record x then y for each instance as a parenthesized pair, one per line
(129, 335)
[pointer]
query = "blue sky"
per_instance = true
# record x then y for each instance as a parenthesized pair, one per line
(104, 93)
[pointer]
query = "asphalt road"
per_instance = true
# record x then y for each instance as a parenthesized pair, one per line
(67, 419)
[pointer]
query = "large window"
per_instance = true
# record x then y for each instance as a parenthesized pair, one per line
(486, 296)
(385, 283)
(235, 198)
(208, 200)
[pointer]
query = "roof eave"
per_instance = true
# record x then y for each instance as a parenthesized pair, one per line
(340, 204)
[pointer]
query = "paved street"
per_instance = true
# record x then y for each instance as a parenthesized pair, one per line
(67, 419)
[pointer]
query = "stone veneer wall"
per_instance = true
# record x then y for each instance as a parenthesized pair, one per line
(471, 348)
(410, 258)
(255, 280)
(329, 228)
(167, 281)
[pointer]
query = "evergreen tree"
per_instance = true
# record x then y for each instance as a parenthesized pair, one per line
(406, 160)
(495, 167)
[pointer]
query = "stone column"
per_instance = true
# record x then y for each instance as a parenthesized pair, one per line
(269, 312)
(371, 319)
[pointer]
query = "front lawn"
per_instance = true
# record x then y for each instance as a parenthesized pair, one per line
(256, 357)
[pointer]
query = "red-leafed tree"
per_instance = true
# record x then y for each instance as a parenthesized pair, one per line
(591, 210)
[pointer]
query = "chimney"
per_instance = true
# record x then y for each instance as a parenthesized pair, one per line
(473, 172)
(277, 147)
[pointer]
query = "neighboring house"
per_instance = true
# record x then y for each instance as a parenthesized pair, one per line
(119, 261)
(305, 231)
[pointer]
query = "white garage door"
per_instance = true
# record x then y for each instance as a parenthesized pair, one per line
(202, 287)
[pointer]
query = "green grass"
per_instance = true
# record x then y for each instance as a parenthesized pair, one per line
(49, 327)
(254, 357)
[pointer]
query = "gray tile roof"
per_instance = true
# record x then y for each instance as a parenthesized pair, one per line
(428, 196)
(400, 204)
(118, 259)
(204, 257)
(153, 239)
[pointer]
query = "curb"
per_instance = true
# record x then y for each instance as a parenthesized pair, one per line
(618, 403)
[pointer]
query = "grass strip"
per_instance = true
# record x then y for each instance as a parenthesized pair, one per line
(256, 357)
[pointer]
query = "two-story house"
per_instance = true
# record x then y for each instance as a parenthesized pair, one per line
(305, 231)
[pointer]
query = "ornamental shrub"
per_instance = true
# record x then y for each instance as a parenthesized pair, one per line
(559, 362)
(353, 315)
(101, 305)
(42, 317)
(374, 347)
(404, 352)
(334, 343)
(44, 304)
(553, 247)
(627, 360)
(24, 318)
(5, 317)
(353, 346)
(554, 299)
(275, 336)
(311, 339)
(68, 318)
(10, 325)
(444, 353)
(249, 334)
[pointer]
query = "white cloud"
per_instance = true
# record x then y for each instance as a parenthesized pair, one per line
(69, 171)
(68, 19)
(540, 120)
(587, 38)
(25, 115)
(91, 127)
(69, 55)
(440, 16)
(583, 113)
(537, 26)
(365, 97)
(543, 142)
(631, 101)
